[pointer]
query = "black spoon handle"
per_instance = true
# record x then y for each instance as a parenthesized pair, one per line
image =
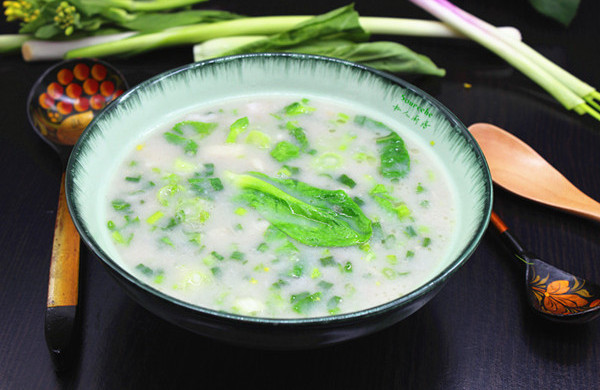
(509, 240)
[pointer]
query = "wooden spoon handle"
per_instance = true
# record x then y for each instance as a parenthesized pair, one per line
(63, 284)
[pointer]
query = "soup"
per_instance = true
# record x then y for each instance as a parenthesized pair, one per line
(280, 207)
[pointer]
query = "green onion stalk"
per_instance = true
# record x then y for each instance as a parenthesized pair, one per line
(141, 6)
(12, 42)
(262, 25)
(567, 89)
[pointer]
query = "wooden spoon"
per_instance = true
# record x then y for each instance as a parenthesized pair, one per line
(555, 294)
(62, 102)
(518, 168)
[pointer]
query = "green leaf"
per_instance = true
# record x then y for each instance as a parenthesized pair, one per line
(273, 234)
(258, 139)
(205, 186)
(383, 55)
(299, 135)
(202, 128)
(297, 108)
(285, 151)
(339, 23)
(150, 22)
(189, 146)
(47, 32)
(237, 128)
(394, 157)
(310, 215)
(338, 34)
(562, 11)
(383, 198)
(302, 302)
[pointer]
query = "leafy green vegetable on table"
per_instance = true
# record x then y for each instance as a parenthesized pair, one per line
(52, 19)
(562, 11)
(337, 33)
(310, 215)
(223, 33)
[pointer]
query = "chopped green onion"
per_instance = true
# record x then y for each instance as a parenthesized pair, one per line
(166, 240)
(325, 285)
(279, 283)
(155, 217)
(258, 139)
(315, 273)
(327, 261)
(328, 160)
(240, 211)
(333, 303)
(296, 271)
(303, 301)
(409, 231)
(133, 179)
(298, 108)
(237, 255)
(121, 205)
(217, 256)
(344, 179)
(144, 269)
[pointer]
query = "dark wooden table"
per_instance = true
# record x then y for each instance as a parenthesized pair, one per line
(478, 333)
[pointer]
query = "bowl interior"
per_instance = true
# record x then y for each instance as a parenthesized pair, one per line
(116, 131)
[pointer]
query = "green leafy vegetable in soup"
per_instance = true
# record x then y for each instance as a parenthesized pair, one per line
(279, 207)
(311, 215)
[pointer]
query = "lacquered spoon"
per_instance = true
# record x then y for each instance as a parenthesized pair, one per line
(62, 102)
(518, 168)
(555, 294)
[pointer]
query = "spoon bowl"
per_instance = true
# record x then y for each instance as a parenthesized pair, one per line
(62, 102)
(65, 99)
(516, 167)
(555, 294)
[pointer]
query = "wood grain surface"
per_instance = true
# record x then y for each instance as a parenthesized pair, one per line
(478, 333)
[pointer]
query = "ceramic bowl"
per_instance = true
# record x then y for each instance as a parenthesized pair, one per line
(116, 131)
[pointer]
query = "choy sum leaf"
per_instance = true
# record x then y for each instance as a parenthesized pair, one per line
(562, 11)
(310, 215)
(150, 22)
(383, 55)
(339, 34)
(394, 157)
(341, 23)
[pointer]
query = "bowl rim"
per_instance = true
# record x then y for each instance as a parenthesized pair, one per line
(436, 281)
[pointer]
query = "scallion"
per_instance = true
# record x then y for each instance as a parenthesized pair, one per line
(571, 92)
